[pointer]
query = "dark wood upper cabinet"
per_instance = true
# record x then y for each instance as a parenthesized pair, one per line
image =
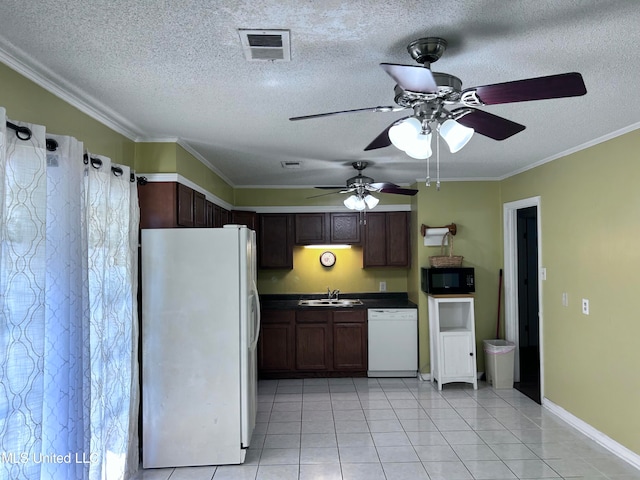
(345, 228)
(199, 209)
(158, 205)
(185, 206)
(172, 204)
(327, 228)
(242, 217)
(275, 240)
(210, 213)
(386, 242)
(375, 242)
(225, 216)
(398, 241)
(310, 228)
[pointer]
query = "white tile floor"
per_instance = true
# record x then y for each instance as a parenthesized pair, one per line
(405, 429)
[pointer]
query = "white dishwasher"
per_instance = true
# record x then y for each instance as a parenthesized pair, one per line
(393, 342)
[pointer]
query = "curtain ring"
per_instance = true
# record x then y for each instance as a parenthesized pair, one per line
(52, 145)
(85, 159)
(96, 162)
(117, 171)
(23, 133)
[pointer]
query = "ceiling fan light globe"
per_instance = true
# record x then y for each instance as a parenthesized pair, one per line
(359, 204)
(371, 201)
(420, 147)
(403, 133)
(455, 134)
(350, 202)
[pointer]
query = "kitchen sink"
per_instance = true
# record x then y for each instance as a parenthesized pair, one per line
(325, 302)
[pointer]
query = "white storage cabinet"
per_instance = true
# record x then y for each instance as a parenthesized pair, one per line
(452, 339)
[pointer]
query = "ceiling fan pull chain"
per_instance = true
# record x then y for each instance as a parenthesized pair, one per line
(428, 183)
(438, 160)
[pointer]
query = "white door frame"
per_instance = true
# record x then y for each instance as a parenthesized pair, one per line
(510, 212)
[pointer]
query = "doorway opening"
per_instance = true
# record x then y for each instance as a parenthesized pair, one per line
(523, 312)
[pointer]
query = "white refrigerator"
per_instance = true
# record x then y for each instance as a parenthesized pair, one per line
(200, 326)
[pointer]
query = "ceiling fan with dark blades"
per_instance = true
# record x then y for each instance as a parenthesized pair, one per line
(428, 94)
(362, 186)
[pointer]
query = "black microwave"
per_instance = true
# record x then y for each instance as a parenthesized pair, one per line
(450, 280)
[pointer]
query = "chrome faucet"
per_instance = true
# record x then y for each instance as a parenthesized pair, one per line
(332, 294)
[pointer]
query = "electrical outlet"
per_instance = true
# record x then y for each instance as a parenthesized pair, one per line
(585, 306)
(565, 299)
(383, 286)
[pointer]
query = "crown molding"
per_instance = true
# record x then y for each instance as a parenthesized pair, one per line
(53, 83)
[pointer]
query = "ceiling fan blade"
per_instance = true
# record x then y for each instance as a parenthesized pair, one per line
(488, 124)
(386, 187)
(330, 188)
(411, 77)
(540, 88)
(382, 140)
(367, 109)
(328, 193)
(377, 186)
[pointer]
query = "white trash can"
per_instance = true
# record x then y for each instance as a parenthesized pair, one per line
(498, 360)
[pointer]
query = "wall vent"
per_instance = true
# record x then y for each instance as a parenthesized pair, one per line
(292, 164)
(265, 45)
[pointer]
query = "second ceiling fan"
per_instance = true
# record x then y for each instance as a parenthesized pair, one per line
(431, 96)
(361, 186)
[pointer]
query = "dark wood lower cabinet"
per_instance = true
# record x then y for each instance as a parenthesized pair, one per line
(313, 347)
(312, 343)
(350, 341)
(277, 341)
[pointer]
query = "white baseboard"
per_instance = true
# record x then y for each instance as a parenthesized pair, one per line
(607, 442)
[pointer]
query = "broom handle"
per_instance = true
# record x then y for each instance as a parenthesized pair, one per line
(499, 298)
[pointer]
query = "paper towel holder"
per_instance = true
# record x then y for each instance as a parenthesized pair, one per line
(452, 228)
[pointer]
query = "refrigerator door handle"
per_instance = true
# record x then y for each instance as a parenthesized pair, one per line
(256, 305)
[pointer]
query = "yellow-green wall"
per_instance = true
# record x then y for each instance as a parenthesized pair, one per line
(170, 157)
(475, 208)
(347, 275)
(590, 213)
(28, 102)
(156, 157)
(190, 167)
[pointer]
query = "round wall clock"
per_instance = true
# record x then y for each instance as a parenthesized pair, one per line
(328, 259)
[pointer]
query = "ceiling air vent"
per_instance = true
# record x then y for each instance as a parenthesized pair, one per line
(265, 45)
(291, 164)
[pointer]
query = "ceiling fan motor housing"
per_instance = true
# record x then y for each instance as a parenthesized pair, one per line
(449, 88)
(427, 50)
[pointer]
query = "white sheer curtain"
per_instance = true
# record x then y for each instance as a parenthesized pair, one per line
(68, 324)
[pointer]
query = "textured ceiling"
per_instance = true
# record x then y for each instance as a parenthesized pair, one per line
(176, 69)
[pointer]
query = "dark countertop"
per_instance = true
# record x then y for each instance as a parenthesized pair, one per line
(369, 300)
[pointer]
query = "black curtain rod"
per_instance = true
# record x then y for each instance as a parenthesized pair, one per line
(117, 171)
(24, 131)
